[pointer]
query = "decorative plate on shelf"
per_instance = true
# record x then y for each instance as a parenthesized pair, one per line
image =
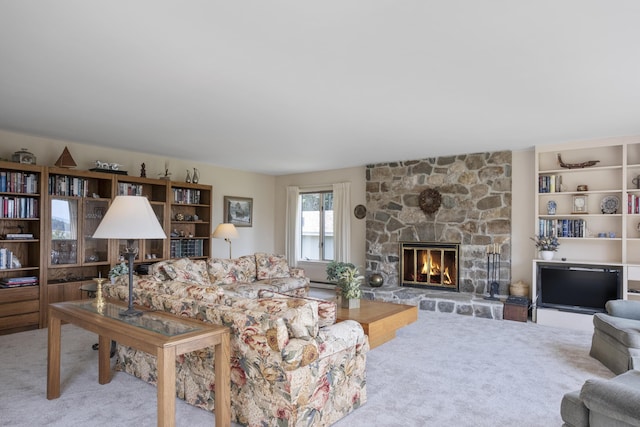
(609, 205)
(551, 207)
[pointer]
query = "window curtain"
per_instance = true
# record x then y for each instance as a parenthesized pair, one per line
(292, 221)
(342, 221)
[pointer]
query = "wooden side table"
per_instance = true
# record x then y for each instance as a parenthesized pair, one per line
(380, 320)
(161, 334)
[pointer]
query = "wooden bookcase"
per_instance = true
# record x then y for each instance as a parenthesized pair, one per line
(155, 190)
(21, 231)
(75, 204)
(58, 211)
(190, 228)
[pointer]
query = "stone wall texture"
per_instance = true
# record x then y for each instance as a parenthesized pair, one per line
(475, 212)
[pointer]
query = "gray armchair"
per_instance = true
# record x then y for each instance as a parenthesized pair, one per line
(604, 403)
(616, 336)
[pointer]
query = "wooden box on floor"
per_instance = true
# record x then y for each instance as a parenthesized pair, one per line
(516, 308)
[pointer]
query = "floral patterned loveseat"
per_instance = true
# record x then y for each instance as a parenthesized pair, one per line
(291, 364)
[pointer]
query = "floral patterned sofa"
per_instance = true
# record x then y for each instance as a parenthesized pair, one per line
(291, 364)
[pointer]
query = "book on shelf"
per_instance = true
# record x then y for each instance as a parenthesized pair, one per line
(16, 282)
(18, 182)
(19, 236)
(22, 279)
(8, 260)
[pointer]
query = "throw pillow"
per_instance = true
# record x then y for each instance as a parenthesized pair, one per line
(271, 266)
(156, 270)
(188, 271)
(227, 271)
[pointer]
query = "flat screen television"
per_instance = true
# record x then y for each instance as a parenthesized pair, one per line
(578, 288)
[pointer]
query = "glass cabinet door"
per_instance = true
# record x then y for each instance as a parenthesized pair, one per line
(64, 231)
(154, 248)
(149, 249)
(95, 250)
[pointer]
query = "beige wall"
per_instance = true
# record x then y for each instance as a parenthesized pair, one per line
(269, 195)
(356, 176)
(522, 216)
(225, 182)
(522, 220)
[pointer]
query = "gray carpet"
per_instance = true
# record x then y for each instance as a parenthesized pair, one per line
(443, 370)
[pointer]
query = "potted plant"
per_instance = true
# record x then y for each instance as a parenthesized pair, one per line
(117, 271)
(349, 282)
(546, 245)
(335, 270)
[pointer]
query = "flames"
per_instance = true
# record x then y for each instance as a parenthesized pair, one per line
(432, 268)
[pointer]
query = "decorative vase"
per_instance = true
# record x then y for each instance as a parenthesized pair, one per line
(350, 303)
(546, 255)
(376, 280)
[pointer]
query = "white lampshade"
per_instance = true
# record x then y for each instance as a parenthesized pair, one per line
(130, 217)
(225, 231)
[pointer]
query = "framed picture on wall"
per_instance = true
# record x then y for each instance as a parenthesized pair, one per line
(238, 211)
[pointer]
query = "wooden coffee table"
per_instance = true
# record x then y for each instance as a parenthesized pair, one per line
(161, 334)
(380, 320)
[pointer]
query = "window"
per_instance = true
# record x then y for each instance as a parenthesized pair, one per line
(316, 226)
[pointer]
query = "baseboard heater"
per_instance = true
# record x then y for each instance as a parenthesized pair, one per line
(322, 285)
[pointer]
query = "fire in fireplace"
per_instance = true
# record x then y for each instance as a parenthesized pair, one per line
(429, 265)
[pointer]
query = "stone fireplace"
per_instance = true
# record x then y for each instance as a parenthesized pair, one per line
(429, 265)
(475, 212)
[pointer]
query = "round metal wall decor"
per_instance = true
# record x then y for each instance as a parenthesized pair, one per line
(430, 200)
(360, 211)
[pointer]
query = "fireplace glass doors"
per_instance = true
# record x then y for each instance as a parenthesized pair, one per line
(429, 265)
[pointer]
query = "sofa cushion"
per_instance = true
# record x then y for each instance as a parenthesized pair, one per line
(573, 411)
(156, 270)
(625, 331)
(271, 266)
(300, 316)
(327, 310)
(206, 293)
(227, 271)
(615, 400)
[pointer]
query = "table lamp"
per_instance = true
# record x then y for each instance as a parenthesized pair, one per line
(226, 231)
(130, 218)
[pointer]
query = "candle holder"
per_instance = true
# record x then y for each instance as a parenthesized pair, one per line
(99, 302)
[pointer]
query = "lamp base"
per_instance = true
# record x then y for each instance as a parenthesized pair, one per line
(131, 253)
(131, 312)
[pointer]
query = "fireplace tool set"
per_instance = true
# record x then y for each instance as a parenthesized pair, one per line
(493, 271)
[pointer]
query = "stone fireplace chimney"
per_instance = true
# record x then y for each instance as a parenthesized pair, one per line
(475, 212)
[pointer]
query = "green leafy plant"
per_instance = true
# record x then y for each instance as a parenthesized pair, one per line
(546, 243)
(118, 270)
(336, 268)
(349, 281)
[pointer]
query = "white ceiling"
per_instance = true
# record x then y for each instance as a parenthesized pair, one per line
(282, 87)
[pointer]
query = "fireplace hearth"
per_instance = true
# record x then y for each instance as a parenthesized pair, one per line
(431, 265)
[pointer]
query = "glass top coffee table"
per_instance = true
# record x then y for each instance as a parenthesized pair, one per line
(161, 334)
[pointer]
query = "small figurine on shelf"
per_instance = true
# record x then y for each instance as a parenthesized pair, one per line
(143, 171)
(188, 178)
(167, 174)
(196, 176)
